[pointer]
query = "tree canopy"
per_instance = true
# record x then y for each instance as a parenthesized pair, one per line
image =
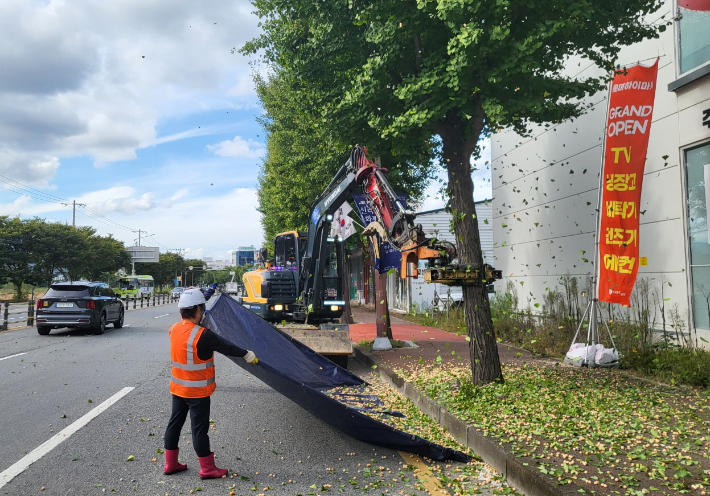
(36, 252)
(407, 74)
(304, 153)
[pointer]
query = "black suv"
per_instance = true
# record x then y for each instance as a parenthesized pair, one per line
(79, 304)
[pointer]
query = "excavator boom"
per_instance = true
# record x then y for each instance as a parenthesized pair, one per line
(303, 283)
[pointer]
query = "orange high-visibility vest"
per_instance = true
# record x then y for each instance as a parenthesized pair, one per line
(191, 377)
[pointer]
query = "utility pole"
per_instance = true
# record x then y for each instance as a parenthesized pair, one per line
(133, 262)
(139, 235)
(73, 215)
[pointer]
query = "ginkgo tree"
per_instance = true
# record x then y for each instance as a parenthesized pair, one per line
(455, 70)
(303, 155)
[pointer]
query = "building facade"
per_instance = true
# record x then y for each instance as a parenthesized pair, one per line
(244, 255)
(546, 187)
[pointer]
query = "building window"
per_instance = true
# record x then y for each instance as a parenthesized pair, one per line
(694, 33)
(697, 161)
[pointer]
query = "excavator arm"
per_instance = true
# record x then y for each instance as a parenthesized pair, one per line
(397, 227)
(393, 224)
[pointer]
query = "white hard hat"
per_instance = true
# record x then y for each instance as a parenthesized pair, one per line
(191, 298)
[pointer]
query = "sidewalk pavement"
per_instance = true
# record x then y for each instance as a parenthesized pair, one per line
(432, 343)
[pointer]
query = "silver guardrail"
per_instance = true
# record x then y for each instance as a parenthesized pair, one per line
(16, 315)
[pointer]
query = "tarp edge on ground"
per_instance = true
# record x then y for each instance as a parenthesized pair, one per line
(304, 376)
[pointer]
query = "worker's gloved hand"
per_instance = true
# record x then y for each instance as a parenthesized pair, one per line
(250, 357)
(213, 285)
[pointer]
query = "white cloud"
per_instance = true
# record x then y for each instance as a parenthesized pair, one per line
(192, 224)
(226, 222)
(237, 147)
(27, 168)
(244, 86)
(83, 77)
(15, 208)
(120, 199)
(86, 81)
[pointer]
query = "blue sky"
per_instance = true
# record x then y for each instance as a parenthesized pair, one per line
(142, 113)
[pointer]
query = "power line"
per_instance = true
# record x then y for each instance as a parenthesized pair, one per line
(97, 215)
(29, 190)
(21, 189)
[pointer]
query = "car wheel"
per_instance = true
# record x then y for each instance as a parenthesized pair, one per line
(43, 330)
(101, 328)
(119, 322)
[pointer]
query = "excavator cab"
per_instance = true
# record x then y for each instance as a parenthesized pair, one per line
(286, 250)
(290, 255)
(274, 290)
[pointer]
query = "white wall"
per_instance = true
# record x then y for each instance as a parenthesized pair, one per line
(545, 217)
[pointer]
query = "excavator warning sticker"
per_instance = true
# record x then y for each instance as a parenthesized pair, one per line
(315, 216)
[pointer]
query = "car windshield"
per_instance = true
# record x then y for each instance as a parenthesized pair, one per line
(67, 291)
(178, 290)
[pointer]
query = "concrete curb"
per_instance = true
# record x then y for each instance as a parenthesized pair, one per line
(516, 471)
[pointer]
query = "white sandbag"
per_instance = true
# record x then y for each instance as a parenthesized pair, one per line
(580, 354)
(606, 355)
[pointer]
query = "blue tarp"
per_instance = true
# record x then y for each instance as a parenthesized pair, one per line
(304, 376)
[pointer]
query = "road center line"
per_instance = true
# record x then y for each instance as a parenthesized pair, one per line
(159, 316)
(22, 464)
(12, 356)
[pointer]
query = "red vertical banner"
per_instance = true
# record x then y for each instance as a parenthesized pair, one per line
(627, 130)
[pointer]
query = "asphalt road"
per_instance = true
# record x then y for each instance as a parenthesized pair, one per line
(48, 383)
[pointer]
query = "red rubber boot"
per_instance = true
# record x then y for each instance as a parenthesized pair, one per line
(208, 470)
(171, 462)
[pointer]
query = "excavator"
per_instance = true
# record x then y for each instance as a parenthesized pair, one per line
(303, 282)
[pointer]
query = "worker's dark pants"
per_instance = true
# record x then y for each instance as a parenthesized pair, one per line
(199, 409)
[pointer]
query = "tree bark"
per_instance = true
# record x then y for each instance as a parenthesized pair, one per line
(382, 312)
(347, 317)
(457, 152)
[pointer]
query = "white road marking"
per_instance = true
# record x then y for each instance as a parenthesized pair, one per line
(21, 465)
(12, 356)
(159, 316)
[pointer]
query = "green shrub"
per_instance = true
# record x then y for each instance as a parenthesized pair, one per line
(679, 365)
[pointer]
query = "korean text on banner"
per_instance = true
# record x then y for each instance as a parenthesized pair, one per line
(627, 130)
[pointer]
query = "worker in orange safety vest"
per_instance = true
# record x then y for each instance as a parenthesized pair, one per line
(192, 350)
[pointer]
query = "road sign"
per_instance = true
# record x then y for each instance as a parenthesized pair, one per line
(144, 254)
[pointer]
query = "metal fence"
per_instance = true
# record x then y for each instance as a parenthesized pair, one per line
(16, 315)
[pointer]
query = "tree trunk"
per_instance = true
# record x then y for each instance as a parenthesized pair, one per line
(382, 312)
(19, 295)
(347, 317)
(483, 348)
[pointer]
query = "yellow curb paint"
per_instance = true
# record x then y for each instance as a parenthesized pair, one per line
(431, 484)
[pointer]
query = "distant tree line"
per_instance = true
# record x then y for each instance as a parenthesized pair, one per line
(36, 252)
(173, 266)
